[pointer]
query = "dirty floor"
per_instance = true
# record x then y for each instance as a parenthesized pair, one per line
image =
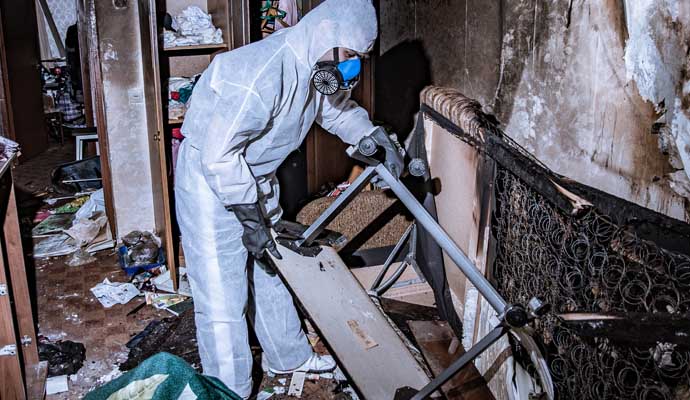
(67, 310)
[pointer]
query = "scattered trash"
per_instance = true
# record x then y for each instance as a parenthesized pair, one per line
(111, 293)
(80, 257)
(297, 384)
(141, 251)
(113, 374)
(351, 392)
(191, 27)
(94, 204)
(52, 225)
(179, 308)
(64, 357)
(84, 232)
(144, 281)
(163, 301)
(54, 246)
(41, 215)
(73, 206)
(268, 392)
(316, 377)
(163, 283)
(282, 381)
(175, 335)
(56, 384)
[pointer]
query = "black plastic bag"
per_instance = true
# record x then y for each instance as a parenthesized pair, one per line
(88, 168)
(64, 357)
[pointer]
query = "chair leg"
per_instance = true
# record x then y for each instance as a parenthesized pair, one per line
(80, 147)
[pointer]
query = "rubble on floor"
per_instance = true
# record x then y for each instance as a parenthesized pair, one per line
(80, 233)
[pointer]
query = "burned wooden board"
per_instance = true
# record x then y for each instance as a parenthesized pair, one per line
(366, 345)
(434, 339)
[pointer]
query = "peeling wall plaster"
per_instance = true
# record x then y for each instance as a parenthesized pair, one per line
(574, 108)
(554, 72)
(656, 59)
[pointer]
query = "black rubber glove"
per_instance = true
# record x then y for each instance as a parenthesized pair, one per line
(257, 235)
(393, 157)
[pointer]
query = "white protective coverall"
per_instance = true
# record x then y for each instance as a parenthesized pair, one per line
(249, 110)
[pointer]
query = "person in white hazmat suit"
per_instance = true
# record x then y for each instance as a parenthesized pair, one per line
(250, 109)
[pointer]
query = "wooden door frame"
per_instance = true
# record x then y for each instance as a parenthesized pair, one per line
(163, 217)
(98, 99)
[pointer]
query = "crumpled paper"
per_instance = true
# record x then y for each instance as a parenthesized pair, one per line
(111, 293)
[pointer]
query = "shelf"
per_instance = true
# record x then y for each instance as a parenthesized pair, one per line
(176, 121)
(197, 47)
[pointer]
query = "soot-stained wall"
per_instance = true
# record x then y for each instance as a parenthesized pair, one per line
(554, 73)
(127, 122)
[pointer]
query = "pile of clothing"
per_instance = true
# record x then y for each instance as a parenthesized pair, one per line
(179, 93)
(192, 27)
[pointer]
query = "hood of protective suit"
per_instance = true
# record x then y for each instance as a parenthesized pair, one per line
(335, 23)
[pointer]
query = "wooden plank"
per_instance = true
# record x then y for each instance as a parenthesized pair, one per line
(331, 296)
(454, 163)
(239, 21)
(11, 381)
(17, 276)
(96, 79)
(434, 339)
(196, 47)
(632, 329)
(157, 145)
(36, 376)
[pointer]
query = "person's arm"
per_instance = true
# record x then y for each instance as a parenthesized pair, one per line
(342, 116)
(236, 119)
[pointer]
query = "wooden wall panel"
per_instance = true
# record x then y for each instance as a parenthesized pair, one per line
(21, 54)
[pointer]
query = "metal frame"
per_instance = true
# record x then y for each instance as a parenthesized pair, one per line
(378, 288)
(512, 317)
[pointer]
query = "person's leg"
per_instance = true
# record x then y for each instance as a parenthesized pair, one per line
(276, 322)
(216, 265)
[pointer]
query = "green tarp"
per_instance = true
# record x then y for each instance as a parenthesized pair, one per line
(163, 377)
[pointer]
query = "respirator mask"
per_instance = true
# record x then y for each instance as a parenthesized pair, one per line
(331, 76)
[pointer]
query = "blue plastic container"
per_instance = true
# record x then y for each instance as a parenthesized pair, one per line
(135, 269)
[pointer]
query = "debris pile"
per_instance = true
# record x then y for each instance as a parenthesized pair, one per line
(64, 357)
(78, 226)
